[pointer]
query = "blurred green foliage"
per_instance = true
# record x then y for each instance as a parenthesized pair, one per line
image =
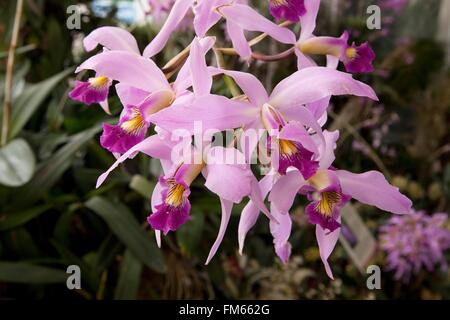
(54, 217)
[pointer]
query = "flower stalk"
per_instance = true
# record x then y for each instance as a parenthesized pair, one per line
(9, 74)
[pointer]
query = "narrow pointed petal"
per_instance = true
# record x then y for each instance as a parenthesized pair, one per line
(158, 238)
(201, 79)
(105, 106)
(327, 156)
(206, 16)
(212, 111)
(332, 62)
(256, 196)
(176, 15)
(308, 20)
(303, 61)
(184, 78)
(315, 83)
(155, 200)
(249, 19)
(281, 232)
(250, 213)
(327, 241)
(113, 38)
(153, 146)
(227, 207)
(284, 191)
(127, 68)
(237, 36)
(373, 189)
(250, 85)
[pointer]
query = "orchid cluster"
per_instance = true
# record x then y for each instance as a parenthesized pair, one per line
(415, 242)
(281, 132)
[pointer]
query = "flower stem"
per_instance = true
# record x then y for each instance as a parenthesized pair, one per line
(9, 74)
(276, 57)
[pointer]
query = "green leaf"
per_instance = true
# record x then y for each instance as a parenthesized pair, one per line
(51, 170)
(125, 226)
(17, 163)
(21, 272)
(31, 98)
(189, 236)
(141, 185)
(89, 277)
(15, 219)
(129, 278)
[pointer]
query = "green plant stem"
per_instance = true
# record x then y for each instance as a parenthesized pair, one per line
(9, 74)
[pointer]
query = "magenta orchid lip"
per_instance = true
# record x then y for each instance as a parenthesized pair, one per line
(301, 152)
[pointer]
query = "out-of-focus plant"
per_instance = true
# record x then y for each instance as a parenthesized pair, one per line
(56, 218)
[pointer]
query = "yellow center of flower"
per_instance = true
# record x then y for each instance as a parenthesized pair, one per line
(278, 3)
(175, 195)
(99, 82)
(351, 53)
(135, 124)
(326, 203)
(287, 147)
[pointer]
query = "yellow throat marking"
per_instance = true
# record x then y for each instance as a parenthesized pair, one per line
(99, 82)
(135, 124)
(326, 203)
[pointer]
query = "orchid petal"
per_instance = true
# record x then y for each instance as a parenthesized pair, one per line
(128, 68)
(227, 174)
(250, 85)
(184, 78)
(295, 131)
(206, 16)
(327, 157)
(308, 20)
(250, 213)
(250, 20)
(305, 117)
(284, 191)
(319, 108)
(327, 241)
(227, 207)
(176, 15)
(129, 95)
(249, 140)
(212, 111)
(153, 146)
(373, 189)
(303, 61)
(240, 43)
(157, 199)
(105, 106)
(316, 83)
(281, 232)
(201, 79)
(113, 38)
(332, 62)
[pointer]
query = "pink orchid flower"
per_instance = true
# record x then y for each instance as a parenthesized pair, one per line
(356, 59)
(329, 190)
(144, 90)
(283, 112)
(170, 200)
(239, 17)
(96, 89)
